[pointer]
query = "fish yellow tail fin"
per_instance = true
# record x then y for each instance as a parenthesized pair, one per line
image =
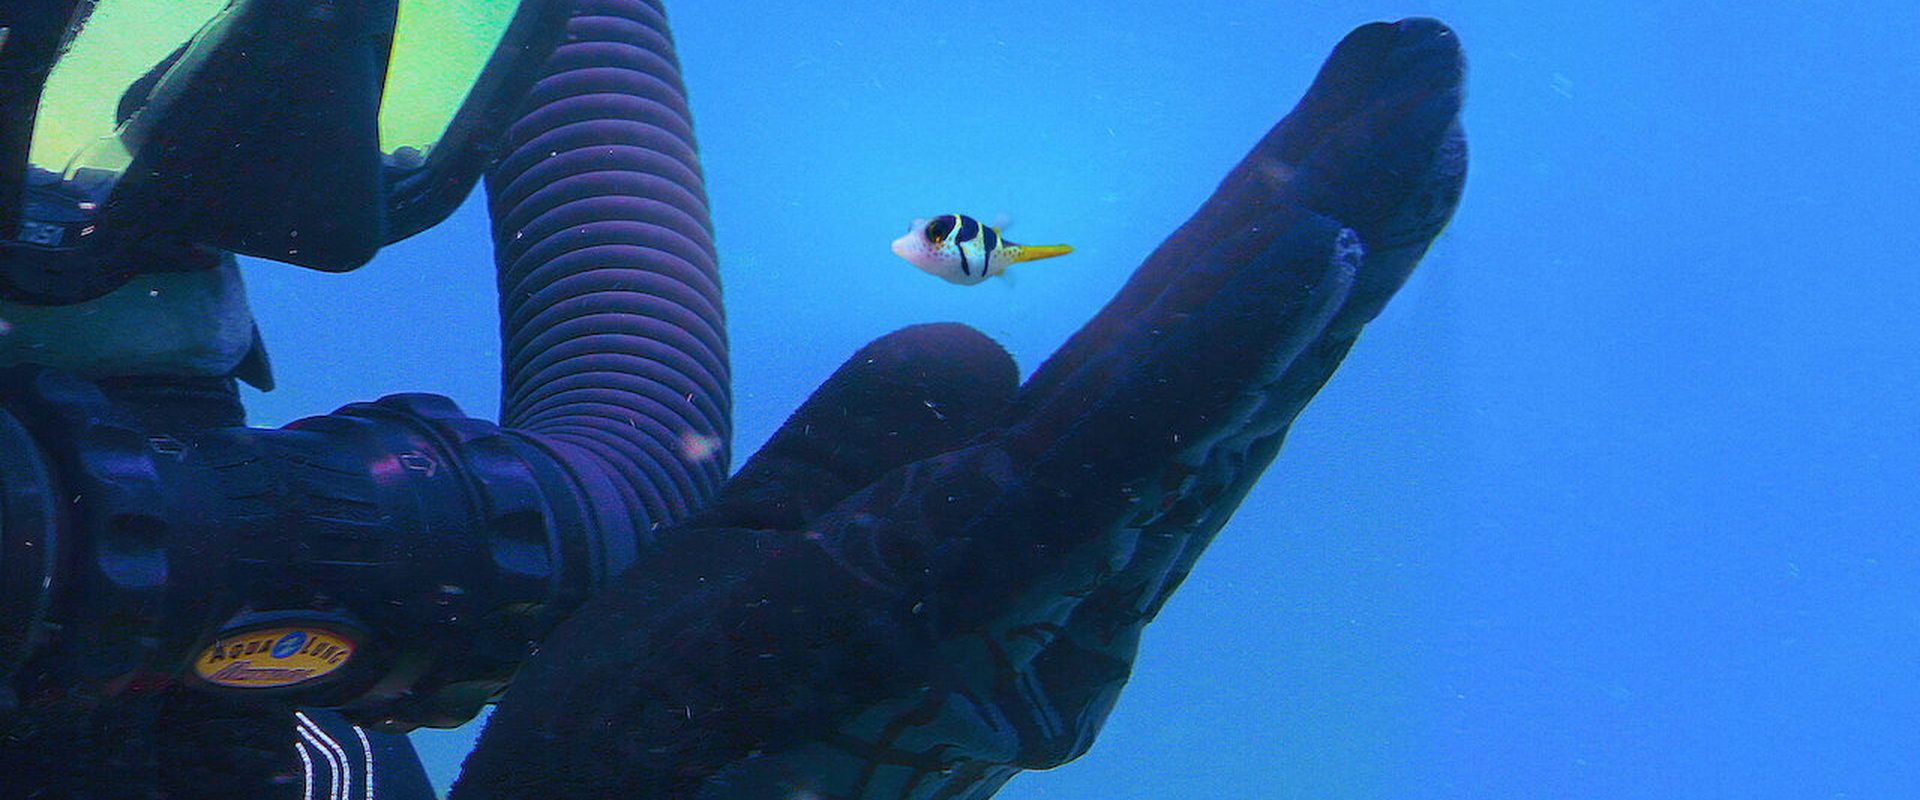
(1028, 252)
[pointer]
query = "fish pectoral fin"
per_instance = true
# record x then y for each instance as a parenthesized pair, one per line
(1028, 252)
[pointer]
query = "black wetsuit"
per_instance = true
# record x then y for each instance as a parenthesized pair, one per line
(342, 761)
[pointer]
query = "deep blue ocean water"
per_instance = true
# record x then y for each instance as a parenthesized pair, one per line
(1616, 500)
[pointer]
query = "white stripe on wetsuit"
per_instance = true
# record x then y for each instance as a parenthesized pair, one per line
(340, 765)
(367, 749)
(340, 777)
(307, 762)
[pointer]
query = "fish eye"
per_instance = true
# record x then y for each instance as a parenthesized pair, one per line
(938, 229)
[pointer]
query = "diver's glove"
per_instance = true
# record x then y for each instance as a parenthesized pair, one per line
(929, 580)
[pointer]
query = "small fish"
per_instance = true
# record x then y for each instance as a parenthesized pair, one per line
(959, 249)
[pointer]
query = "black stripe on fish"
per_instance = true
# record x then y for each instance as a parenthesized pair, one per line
(969, 228)
(938, 229)
(963, 262)
(990, 238)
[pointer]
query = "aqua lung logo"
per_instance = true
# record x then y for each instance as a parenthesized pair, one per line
(275, 657)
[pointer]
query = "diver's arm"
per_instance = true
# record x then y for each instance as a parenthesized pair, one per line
(928, 582)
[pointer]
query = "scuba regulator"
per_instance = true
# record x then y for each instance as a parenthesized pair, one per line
(396, 560)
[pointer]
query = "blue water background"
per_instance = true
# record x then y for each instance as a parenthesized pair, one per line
(1617, 500)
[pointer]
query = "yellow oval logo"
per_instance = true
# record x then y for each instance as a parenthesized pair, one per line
(270, 658)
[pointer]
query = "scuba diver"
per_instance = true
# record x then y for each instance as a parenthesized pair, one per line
(931, 577)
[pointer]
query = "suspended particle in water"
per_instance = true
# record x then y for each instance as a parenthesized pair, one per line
(699, 446)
